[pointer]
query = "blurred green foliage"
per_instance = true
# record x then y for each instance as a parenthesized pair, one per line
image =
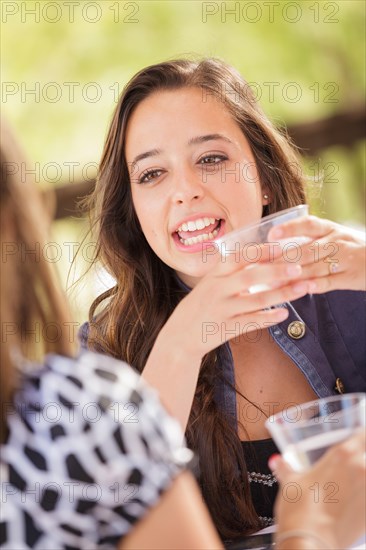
(305, 58)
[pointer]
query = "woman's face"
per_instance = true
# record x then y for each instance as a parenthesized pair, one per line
(193, 177)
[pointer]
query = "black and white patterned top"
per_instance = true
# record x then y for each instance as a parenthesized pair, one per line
(90, 450)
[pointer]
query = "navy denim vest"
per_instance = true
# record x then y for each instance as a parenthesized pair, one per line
(331, 352)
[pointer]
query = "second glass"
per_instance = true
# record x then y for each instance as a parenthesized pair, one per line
(305, 432)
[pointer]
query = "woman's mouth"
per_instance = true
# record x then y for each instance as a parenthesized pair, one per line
(189, 236)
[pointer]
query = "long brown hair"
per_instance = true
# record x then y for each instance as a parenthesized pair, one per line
(125, 320)
(31, 298)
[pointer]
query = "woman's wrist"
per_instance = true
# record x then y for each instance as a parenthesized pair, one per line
(170, 350)
(302, 539)
(305, 529)
(174, 374)
(179, 342)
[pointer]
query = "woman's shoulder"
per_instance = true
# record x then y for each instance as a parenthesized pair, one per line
(87, 439)
(85, 378)
(93, 373)
(86, 388)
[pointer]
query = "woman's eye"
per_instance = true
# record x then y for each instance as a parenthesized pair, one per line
(212, 159)
(149, 175)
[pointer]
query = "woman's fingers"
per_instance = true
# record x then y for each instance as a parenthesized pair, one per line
(250, 303)
(343, 268)
(260, 286)
(214, 334)
(327, 241)
(308, 226)
(255, 276)
(243, 256)
(345, 271)
(323, 250)
(334, 260)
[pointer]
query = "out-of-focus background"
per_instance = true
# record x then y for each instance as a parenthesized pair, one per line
(64, 63)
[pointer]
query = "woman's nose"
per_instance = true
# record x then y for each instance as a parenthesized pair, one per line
(187, 187)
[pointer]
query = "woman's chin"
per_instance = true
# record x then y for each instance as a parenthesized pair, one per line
(192, 276)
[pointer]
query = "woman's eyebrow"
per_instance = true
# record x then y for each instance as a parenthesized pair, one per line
(193, 141)
(208, 137)
(145, 155)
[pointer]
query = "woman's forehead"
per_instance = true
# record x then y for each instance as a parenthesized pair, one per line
(165, 114)
(167, 100)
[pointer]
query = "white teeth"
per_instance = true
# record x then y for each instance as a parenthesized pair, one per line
(200, 223)
(199, 238)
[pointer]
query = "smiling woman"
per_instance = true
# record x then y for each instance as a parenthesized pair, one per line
(197, 174)
(189, 157)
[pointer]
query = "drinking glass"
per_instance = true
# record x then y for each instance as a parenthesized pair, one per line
(304, 433)
(245, 241)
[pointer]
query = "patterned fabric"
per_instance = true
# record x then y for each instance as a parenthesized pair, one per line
(90, 450)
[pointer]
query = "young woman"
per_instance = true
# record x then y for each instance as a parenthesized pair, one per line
(189, 157)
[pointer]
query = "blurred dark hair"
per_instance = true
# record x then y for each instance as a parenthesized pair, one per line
(31, 296)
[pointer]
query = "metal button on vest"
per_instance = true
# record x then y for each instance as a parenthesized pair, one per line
(296, 329)
(339, 386)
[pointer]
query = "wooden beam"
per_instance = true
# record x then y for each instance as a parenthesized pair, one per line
(342, 129)
(67, 196)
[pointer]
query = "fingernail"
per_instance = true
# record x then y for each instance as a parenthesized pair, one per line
(293, 270)
(273, 461)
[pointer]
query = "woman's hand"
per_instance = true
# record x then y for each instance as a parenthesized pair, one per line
(219, 308)
(328, 500)
(336, 257)
(222, 306)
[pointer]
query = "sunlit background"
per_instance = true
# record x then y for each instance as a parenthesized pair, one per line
(65, 63)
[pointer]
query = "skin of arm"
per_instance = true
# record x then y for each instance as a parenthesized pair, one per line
(177, 397)
(298, 543)
(180, 521)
